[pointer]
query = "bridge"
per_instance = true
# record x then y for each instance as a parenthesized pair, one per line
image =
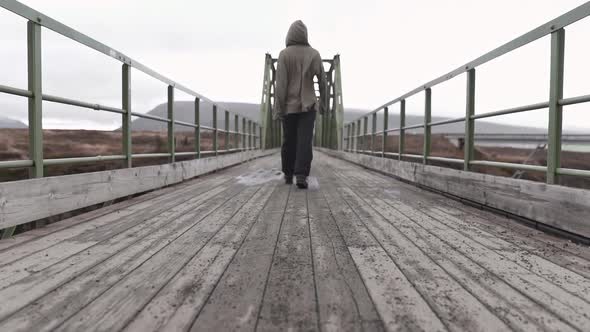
(214, 240)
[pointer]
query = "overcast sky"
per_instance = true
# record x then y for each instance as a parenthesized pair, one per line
(217, 48)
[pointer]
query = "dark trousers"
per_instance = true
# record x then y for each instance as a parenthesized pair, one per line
(296, 153)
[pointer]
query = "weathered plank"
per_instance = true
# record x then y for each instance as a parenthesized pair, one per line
(176, 306)
(343, 300)
(289, 300)
(557, 206)
(94, 233)
(398, 303)
(235, 302)
(455, 306)
(107, 262)
(29, 200)
(115, 308)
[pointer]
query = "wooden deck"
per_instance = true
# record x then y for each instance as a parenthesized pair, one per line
(240, 250)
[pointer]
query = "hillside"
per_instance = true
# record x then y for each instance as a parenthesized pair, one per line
(184, 111)
(10, 123)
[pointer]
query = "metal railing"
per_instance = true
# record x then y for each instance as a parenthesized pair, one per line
(245, 139)
(354, 138)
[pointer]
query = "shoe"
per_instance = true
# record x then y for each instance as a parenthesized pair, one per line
(302, 182)
(288, 179)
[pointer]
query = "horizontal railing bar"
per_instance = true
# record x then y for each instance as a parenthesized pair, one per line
(72, 102)
(186, 154)
(80, 160)
(573, 172)
(16, 164)
(415, 156)
(562, 21)
(446, 160)
(151, 155)
(574, 100)
(414, 126)
(520, 109)
(186, 124)
(444, 122)
(393, 154)
(522, 167)
(15, 91)
(151, 117)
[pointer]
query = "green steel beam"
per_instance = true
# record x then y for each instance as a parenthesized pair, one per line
(36, 101)
(244, 134)
(427, 128)
(237, 131)
(198, 128)
(373, 131)
(555, 109)
(215, 146)
(171, 136)
(126, 106)
(469, 144)
(227, 147)
(359, 141)
(402, 131)
(365, 132)
(385, 127)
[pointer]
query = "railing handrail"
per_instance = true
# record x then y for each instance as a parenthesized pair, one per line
(560, 22)
(555, 103)
(64, 30)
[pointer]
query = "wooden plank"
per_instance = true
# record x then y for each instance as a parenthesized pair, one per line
(235, 302)
(398, 303)
(115, 308)
(509, 302)
(541, 202)
(455, 306)
(54, 249)
(558, 250)
(29, 200)
(554, 298)
(109, 261)
(289, 300)
(177, 305)
(109, 223)
(344, 302)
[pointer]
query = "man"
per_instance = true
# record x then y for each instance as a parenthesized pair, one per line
(296, 103)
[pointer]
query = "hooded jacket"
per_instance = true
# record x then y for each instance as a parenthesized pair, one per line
(297, 66)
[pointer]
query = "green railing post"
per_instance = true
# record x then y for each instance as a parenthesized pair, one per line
(365, 133)
(402, 131)
(260, 130)
(427, 128)
(385, 127)
(354, 139)
(227, 147)
(249, 134)
(469, 144)
(171, 136)
(243, 133)
(36, 101)
(215, 129)
(555, 110)
(35, 106)
(198, 127)
(126, 125)
(237, 130)
(359, 141)
(254, 138)
(373, 132)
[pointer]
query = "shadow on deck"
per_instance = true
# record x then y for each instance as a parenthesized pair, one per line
(241, 250)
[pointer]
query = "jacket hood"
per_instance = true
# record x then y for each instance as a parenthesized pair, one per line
(297, 34)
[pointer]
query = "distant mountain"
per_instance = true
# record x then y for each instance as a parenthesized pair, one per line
(10, 123)
(184, 111)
